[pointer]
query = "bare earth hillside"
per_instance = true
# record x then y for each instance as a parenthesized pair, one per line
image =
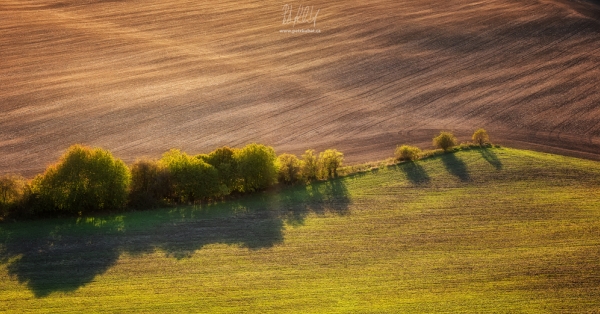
(141, 76)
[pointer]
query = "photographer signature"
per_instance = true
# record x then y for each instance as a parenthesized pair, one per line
(304, 14)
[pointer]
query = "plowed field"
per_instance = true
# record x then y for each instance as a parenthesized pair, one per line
(141, 76)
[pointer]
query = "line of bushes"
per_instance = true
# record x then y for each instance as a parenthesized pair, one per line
(86, 179)
(445, 141)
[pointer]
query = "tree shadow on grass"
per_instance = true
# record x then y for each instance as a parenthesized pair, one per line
(415, 173)
(59, 255)
(66, 254)
(491, 158)
(183, 231)
(318, 198)
(456, 167)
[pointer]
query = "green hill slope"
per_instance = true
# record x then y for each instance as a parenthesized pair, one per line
(499, 230)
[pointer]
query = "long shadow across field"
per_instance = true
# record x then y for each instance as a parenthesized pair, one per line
(491, 158)
(456, 167)
(66, 254)
(415, 173)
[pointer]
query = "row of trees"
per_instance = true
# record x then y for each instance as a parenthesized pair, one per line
(90, 179)
(444, 141)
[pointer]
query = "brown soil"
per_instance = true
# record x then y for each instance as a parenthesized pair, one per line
(141, 76)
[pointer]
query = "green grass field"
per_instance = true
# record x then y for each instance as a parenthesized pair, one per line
(494, 230)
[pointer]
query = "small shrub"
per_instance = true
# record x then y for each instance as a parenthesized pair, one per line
(256, 166)
(445, 141)
(310, 166)
(84, 180)
(481, 137)
(192, 179)
(329, 161)
(150, 184)
(406, 152)
(289, 168)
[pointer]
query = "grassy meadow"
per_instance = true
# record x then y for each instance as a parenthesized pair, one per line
(481, 230)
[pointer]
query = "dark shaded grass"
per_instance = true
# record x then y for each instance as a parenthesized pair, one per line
(66, 254)
(456, 167)
(415, 173)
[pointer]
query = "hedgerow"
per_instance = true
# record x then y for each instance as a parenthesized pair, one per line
(88, 179)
